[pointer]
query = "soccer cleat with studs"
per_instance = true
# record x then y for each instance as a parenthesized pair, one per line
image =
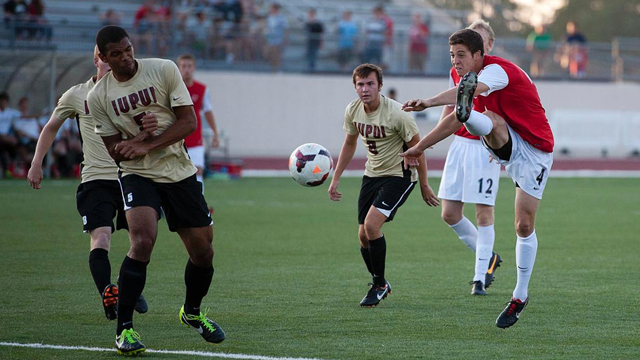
(206, 327)
(494, 263)
(129, 344)
(375, 294)
(464, 96)
(110, 301)
(477, 288)
(141, 305)
(511, 313)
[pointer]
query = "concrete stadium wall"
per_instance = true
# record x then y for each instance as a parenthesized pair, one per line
(269, 115)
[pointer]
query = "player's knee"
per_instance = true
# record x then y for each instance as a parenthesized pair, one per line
(371, 230)
(524, 227)
(203, 258)
(450, 217)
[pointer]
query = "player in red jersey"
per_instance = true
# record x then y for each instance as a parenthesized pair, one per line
(201, 104)
(472, 176)
(514, 129)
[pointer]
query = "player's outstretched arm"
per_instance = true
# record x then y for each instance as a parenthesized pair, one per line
(444, 129)
(47, 136)
(427, 192)
(346, 154)
(446, 97)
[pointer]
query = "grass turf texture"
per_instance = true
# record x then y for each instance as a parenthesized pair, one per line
(289, 277)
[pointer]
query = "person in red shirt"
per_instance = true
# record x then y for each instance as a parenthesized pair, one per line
(513, 128)
(201, 104)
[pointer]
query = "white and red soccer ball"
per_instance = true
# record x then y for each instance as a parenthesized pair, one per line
(310, 164)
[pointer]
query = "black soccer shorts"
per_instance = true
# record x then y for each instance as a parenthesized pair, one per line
(98, 202)
(183, 203)
(386, 193)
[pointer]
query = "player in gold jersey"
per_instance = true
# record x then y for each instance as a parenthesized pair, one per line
(155, 174)
(98, 197)
(387, 131)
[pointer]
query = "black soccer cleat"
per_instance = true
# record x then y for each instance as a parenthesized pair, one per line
(128, 343)
(375, 294)
(110, 301)
(206, 327)
(464, 97)
(477, 288)
(141, 305)
(494, 263)
(511, 313)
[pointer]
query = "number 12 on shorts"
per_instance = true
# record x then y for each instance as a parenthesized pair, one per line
(489, 185)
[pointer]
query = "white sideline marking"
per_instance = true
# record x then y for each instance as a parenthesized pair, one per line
(170, 352)
(438, 173)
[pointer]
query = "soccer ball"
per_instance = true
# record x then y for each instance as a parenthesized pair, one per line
(310, 164)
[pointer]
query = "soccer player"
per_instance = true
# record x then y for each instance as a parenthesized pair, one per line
(155, 172)
(201, 103)
(386, 131)
(472, 176)
(514, 129)
(98, 197)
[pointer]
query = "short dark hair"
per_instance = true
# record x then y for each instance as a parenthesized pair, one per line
(469, 38)
(109, 34)
(363, 70)
(4, 96)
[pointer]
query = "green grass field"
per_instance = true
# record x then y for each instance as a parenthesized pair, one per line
(289, 278)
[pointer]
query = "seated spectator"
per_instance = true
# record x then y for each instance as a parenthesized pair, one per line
(8, 140)
(110, 17)
(39, 28)
(27, 130)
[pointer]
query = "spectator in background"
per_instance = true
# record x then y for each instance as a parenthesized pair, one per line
(38, 25)
(110, 17)
(143, 22)
(418, 46)
(8, 141)
(276, 36)
(199, 32)
(538, 44)
(27, 130)
(387, 50)
(315, 30)
(374, 37)
(347, 32)
(576, 51)
(392, 94)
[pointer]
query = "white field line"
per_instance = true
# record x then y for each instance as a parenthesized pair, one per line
(152, 351)
(438, 173)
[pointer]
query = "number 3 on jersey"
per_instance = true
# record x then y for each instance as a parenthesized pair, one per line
(372, 147)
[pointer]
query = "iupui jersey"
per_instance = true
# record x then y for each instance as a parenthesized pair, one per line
(197, 91)
(463, 130)
(519, 104)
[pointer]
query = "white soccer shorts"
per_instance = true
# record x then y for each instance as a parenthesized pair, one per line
(196, 154)
(528, 166)
(469, 173)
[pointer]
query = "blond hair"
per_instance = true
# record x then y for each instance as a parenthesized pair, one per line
(483, 25)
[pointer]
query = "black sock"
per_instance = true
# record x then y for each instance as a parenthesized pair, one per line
(133, 275)
(197, 279)
(378, 251)
(366, 256)
(100, 268)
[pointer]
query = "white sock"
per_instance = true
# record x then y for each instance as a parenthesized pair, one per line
(478, 124)
(484, 250)
(526, 249)
(467, 232)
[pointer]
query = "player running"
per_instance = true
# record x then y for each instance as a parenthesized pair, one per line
(386, 131)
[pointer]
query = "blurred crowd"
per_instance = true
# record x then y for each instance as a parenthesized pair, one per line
(26, 19)
(19, 131)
